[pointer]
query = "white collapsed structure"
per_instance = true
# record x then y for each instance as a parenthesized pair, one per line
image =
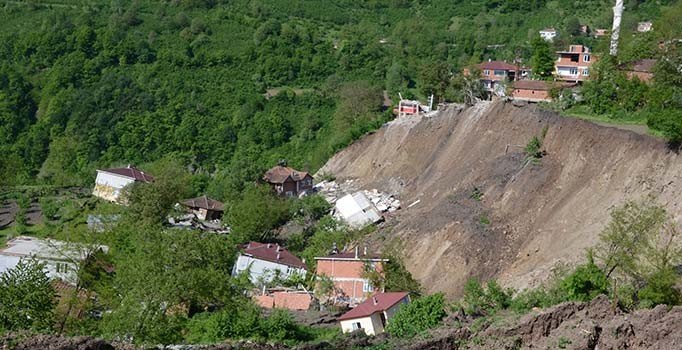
(357, 210)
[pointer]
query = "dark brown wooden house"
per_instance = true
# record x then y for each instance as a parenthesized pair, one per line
(288, 182)
(205, 208)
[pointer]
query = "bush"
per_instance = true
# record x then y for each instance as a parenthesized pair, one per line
(481, 301)
(418, 316)
(27, 298)
(586, 282)
(660, 289)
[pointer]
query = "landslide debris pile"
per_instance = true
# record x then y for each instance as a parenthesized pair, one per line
(479, 208)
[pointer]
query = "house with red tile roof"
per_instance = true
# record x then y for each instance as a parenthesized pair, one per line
(346, 270)
(374, 314)
(287, 181)
(205, 208)
(265, 261)
(110, 182)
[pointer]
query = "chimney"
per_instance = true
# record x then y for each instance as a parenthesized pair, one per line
(356, 252)
(129, 166)
(277, 248)
(364, 252)
(374, 299)
(278, 255)
(269, 245)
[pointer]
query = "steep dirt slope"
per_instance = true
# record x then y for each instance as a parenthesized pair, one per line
(530, 216)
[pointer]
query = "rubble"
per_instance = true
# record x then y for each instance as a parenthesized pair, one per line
(332, 191)
(190, 221)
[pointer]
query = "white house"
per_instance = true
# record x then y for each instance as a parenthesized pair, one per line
(264, 261)
(61, 259)
(373, 314)
(110, 182)
(548, 34)
(357, 210)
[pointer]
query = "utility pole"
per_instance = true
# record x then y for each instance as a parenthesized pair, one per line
(615, 30)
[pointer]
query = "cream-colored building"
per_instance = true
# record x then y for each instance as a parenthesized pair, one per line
(374, 314)
(109, 183)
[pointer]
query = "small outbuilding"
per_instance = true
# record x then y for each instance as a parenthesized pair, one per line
(357, 210)
(536, 90)
(374, 314)
(205, 208)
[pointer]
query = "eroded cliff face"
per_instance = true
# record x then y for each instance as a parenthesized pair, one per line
(530, 217)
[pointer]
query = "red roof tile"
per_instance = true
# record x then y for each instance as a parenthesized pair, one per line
(377, 303)
(280, 174)
(499, 65)
(273, 253)
(131, 172)
(204, 203)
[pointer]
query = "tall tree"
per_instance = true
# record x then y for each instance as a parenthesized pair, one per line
(542, 61)
(27, 299)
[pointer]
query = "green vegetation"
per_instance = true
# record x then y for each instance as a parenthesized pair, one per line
(27, 298)
(418, 316)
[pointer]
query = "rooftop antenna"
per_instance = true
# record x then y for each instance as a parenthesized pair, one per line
(615, 30)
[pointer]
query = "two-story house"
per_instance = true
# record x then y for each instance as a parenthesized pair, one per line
(347, 272)
(574, 65)
(288, 182)
(265, 261)
(110, 182)
(494, 75)
(374, 314)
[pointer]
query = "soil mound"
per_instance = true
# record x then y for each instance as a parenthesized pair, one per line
(483, 209)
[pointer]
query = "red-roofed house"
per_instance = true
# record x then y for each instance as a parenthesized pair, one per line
(264, 261)
(205, 208)
(288, 181)
(346, 270)
(574, 64)
(110, 182)
(373, 314)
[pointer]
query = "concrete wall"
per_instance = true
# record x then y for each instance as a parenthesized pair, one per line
(261, 269)
(108, 186)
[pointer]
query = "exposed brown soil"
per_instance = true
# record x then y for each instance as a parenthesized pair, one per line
(536, 215)
(8, 210)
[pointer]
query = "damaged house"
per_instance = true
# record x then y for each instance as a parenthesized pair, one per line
(204, 208)
(374, 314)
(347, 272)
(356, 210)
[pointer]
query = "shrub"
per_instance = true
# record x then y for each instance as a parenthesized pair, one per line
(660, 289)
(27, 298)
(479, 301)
(586, 282)
(420, 315)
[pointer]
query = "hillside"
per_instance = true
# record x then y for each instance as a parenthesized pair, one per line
(530, 217)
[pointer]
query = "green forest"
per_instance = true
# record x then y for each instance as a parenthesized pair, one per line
(208, 94)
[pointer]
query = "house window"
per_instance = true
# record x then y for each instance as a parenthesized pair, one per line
(499, 72)
(573, 71)
(356, 326)
(486, 72)
(586, 58)
(367, 287)
(586, 72)
(62, 268)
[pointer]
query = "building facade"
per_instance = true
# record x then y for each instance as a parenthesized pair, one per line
(574, 65)
(110, 183)
(346, 270)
